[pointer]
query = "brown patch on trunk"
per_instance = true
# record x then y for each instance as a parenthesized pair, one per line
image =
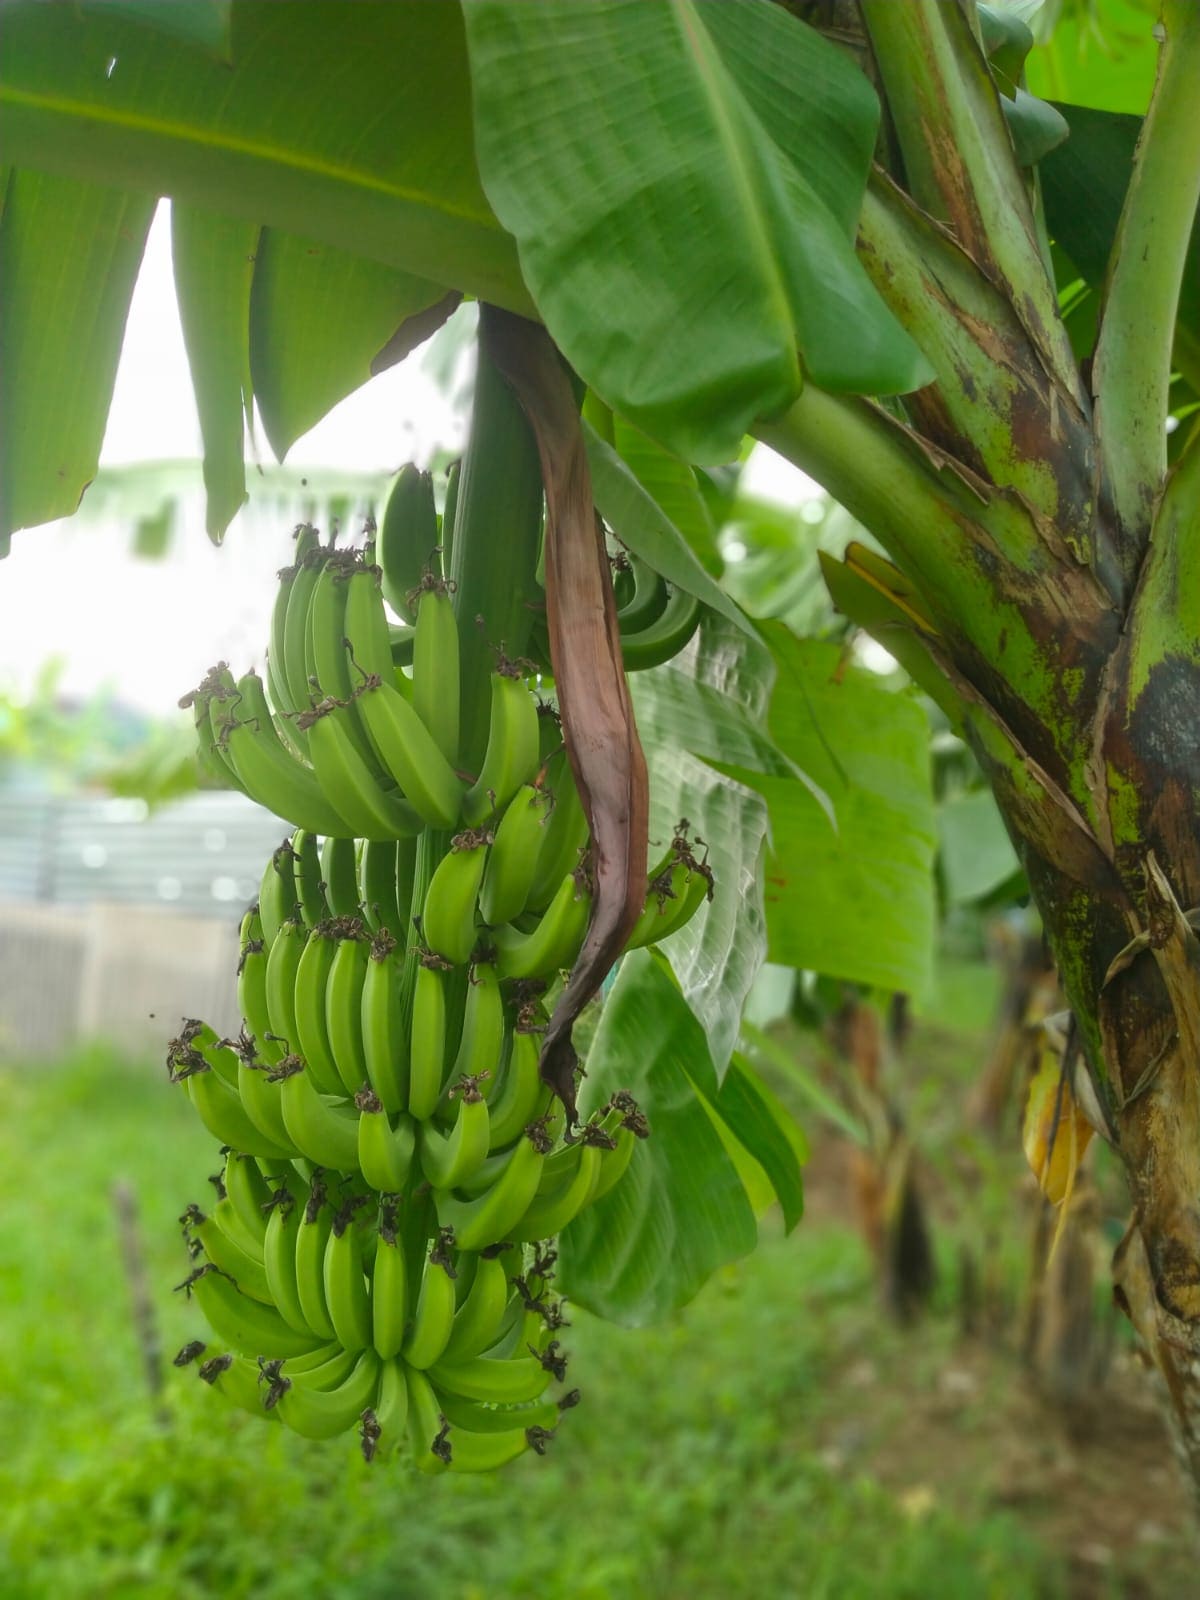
(585, 651)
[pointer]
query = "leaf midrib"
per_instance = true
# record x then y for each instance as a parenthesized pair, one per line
(184, 135)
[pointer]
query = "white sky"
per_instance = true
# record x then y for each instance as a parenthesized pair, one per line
(149, 630)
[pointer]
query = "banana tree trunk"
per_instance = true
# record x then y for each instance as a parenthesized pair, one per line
(1046, 587)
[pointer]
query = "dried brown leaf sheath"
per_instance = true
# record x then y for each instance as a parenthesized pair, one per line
(585, 650)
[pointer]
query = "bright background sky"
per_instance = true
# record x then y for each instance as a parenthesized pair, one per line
(148, 630)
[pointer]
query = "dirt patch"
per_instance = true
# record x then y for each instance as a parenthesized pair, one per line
(953, 1422)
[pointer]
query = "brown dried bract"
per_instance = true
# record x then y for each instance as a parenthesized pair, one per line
(585, 649)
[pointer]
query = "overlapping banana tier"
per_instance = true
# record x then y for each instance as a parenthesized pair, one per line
(377, 1256)
(381, 1269)
(335, 1309)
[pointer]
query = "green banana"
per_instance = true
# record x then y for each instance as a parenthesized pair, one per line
(512, 859)
(622, 580)
(279, 1256)
(236, 1379)
(378, 883)
(564, 836)
(346, 1294)
(406, 877)
(513, 749)
(324, 1413)
(386, 1422)
(367, 640)
(614, 1163)
(339, 877)
(554, 942)
(663, 638)
(269, 772)
(226, 1254)
(344, 1003)
(448, 1159)
(384, 1153)
(549, 1213)
(486, 1219)
(345, 777)
(521, 1096)
(260, 1096)
(436, 674)
(248, 1326)
(649, 599)
(473, 1416)
(675, 890)
(385, 1038)
(409, 752)
(408, 538)
(428, 1429)
(252, 991)
(477, 1320)
(198, 1047)
(294, 659)
(325, 1131)
(306, 871)
(221, 1110)
(326, 667)
(448, 914)
(311, 1241)
(450, 507)
(278, 900)
(283, 962)
(249, 1195)
(226, 1218)
(433, 1315)
(389, 1286)
(307, 539)
(427, 1057)
(312, 1032)
(325, 1367)
(485, 1452)
(507, 1382)
(481, 1043)
(199, 701)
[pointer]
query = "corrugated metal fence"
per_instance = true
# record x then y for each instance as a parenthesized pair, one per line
(115, 923)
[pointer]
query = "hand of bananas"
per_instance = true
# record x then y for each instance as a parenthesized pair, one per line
(394, 1164)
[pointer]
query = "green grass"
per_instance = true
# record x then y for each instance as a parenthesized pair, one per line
(690, 1469)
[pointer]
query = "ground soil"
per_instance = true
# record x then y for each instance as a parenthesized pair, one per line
(955, 1420)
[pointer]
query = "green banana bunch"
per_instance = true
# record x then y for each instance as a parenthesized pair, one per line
(374, 1258)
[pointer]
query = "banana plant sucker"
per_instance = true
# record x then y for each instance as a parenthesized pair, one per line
(1046, 586)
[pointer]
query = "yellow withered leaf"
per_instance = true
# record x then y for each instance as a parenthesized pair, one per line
(1055, 1133)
